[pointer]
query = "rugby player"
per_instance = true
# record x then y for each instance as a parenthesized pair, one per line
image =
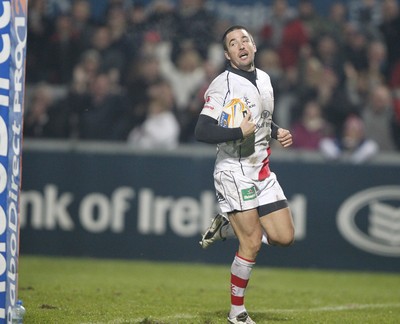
(248, 192)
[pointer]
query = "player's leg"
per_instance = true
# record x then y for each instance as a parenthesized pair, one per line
(240, 276)
(229, 186)
(246, 225)
(221, 229)
(275, 215)
(279, 227)
(218, 231)
(237, 196)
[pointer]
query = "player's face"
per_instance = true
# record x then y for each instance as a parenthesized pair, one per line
(241, 50)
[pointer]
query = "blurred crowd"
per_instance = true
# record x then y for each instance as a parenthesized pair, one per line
(138, 72)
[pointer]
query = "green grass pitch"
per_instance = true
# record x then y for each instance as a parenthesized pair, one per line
(83, 290)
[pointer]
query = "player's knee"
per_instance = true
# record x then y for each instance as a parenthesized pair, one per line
(284, 239)
(257, 246)
(252, 245)
(287, 241)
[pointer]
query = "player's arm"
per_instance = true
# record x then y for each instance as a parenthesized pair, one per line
(274, 130)
(207, 130)
(282, 135)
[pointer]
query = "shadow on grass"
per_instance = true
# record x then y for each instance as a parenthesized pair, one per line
(220, 316)
(150, 321)
(258, 317)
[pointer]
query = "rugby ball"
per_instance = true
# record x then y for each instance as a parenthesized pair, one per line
(233, 113)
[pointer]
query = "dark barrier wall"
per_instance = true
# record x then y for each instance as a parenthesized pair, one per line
(78, 201)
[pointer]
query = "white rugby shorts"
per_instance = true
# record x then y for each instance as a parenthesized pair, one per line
(237, 192)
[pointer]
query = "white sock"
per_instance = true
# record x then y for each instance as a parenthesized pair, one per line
(227, 231)
(240, 276)
(265, 238)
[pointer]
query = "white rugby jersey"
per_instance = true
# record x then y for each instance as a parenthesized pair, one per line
(249, 156)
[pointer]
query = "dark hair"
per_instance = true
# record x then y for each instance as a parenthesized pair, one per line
(230, 29)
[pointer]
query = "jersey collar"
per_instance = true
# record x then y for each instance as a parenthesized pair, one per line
(251, 76)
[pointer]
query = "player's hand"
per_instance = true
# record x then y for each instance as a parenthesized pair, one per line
(247, 125)
(284, 137)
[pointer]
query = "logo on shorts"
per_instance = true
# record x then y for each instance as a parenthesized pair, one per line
(249, 194)
(220, 197)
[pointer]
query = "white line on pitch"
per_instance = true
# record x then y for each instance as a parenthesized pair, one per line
(336, 308)
(315, 309)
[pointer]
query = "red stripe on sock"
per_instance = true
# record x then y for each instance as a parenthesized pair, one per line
(237, 301)
(247, 260)
(238, 282)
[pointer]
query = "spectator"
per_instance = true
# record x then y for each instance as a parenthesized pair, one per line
(337, 20)
(148, 46)
(188, 120)
(329, 54)
(82, 22)
(36, 112)
(77, 98)
(162, 91)
(378, 116)
(377, 63)
(268, 60)
(137, 26)
(389, 29)
(63, 50)
(117, 23)
(43, 117)
(101, 112)
(186, 76)
(39, 27)
(160, 130)
(395, 89)
(394, 79)
(353, 145)
(86, 71)
(362, 80)
(355, 45)
(396, 119)
(310, 128)
(310, 75)
(112, 58)
(314, 24)
(305, 55)
(137, 18)
(195, 26)
(143, 75)
(271, 33)
(335, 101)
(366, 15)
(295, 37)
(162, 19)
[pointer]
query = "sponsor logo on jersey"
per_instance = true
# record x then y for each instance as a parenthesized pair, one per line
(224, 119)
(249, 194)
(370, 220)
(247, 101)
(265, 114)
(208, 107)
